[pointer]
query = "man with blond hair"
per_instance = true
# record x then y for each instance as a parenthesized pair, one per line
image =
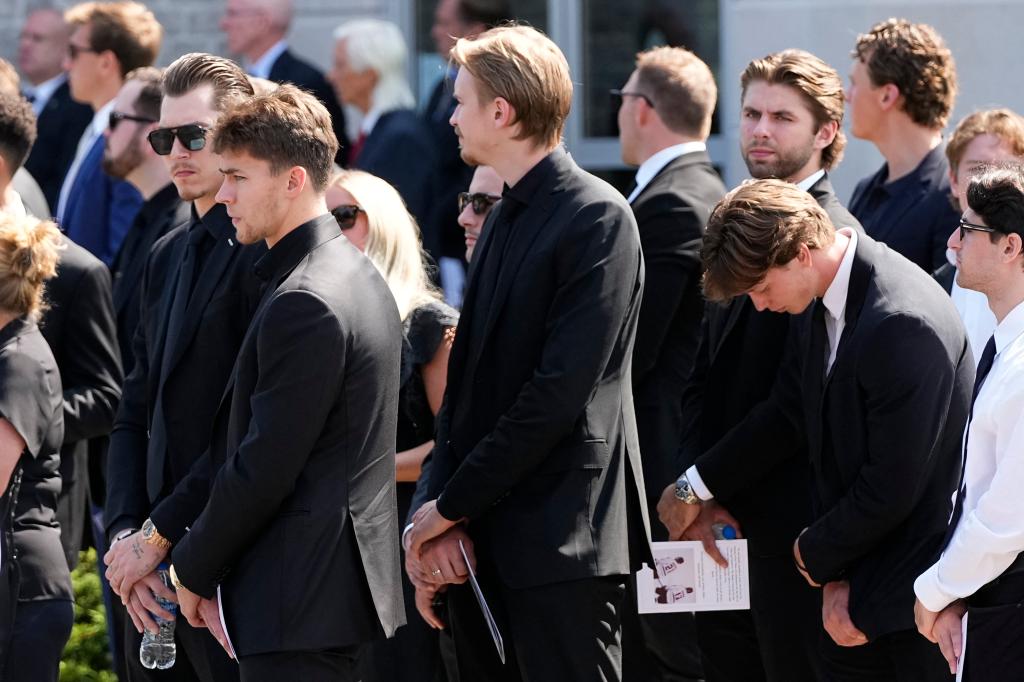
(902, 89)
(536, 459)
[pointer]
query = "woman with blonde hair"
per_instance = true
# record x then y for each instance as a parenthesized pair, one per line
(372, 215)
(36, 611)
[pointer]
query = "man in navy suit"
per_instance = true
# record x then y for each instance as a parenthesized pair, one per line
(109, 40)
(256, 30)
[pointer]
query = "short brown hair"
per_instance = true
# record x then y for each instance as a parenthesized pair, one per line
(29, 251)
(681, 87)
(147, 102)
(1005, 124)
(915, 59)
(17, 129)
(758, 226)
(192, 70)
(523, 66)
(818, 83)
(287, 127)
(128, 29)
(9, 80)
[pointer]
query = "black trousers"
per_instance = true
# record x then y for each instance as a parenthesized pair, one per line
(903, 656)
(658, 647)
(198, 658)
(41, 629)
(995, 643)
(329, 665)
(564, 632)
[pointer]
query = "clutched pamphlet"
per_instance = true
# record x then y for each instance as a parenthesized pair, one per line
(685, 578)
(492, 625)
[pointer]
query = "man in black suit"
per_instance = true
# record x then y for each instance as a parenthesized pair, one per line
(876, 385)
(394, 142)
(129, 156)
(198, 293)
(664, 122)
(302, 510)
(60, 120)
(257, 31)
(536, 456)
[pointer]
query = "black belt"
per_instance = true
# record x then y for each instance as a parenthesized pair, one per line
(1008, 588)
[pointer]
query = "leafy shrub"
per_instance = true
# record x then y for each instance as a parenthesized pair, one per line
(87, 655)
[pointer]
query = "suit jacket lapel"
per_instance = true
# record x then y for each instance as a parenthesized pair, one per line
(732, 315)
(166, 303)
(690, 159)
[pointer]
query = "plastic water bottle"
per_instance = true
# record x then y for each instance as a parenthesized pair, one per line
(158, 651)
(723, 531)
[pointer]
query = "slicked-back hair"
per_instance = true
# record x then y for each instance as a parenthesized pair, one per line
(127, 29)
(287, 127)
(147, 102)
(195, 69)
(915, 59)
(525, 68)
(17, 129)
(818, 83)
(997, 195)
(758, 226)
(681, 87)
(1004, 124)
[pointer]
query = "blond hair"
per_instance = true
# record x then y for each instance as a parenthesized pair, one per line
(29, 251)
(393, 242)
(128, 29)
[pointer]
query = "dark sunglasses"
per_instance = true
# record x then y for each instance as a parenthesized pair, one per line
(481, 201)
(75, 50)
(619, 94)
(118, 116)
(191, 136)
(346, 215)
(965, 227)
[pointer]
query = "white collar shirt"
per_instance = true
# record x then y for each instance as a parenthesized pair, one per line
(262, 66)
(653, 165)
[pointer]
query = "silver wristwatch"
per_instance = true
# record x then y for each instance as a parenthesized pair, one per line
(684, 491)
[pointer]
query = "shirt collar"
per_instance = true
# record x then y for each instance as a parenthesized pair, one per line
(216, 221)
(370, 120)
(653, 165)
(1010, 328)
(44, 91)
(262, 66)
(294, 246)
(807, 183)
(836, 294)
(526, 189)
(100, 120)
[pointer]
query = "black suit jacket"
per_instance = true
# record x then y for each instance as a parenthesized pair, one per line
(536, 442)
(671, 213)
(883, 433)
(290, 69)
(400, 149)
(60, 126)
(79, 326)
(302, 510)
(202, 352)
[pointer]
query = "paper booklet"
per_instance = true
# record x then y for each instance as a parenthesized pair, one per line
(687, 579)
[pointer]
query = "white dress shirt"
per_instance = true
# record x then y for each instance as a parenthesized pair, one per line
(809, 181)
(262, 66)
(653, 165)
(990, 533)
(41, 94)
(977, 317)
(99, 123)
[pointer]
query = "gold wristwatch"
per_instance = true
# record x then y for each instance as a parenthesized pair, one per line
(153, 537)
(174, 578)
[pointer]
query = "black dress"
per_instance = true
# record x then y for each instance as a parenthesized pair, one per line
(412, 655)
(36, 609)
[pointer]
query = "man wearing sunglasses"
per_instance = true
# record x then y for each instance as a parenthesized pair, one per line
(475, 205)
(198, 294)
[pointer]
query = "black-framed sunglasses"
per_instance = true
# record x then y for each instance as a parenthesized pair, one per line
(619, 94)
(118, 116)
(346, 215)
(966, 227)
(75, 50)
(192, 137)
(481, 201)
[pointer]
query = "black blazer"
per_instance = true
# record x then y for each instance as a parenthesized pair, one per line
(79, 326)
(201, 355)
(883, 435)
(736, 367)
(400, 149)
(671, 212)
(536, 442)
(60, 126)
(290, 69)
(302, 510)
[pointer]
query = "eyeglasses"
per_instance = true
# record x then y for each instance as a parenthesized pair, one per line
(965, 227)
(191, 136)
(118, 116)
(619, 94)
(75, 50)
(481, 201)
(346, 215)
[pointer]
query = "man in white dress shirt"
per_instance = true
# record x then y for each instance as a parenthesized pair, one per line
(980, 571)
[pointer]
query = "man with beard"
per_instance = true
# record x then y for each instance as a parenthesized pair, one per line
(129, 156)
(791, 130)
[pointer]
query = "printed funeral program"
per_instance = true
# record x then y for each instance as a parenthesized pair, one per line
(685, 578)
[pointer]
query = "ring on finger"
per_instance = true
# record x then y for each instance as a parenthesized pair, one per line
(436, 571)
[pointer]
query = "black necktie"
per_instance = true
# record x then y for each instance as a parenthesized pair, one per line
(819, 346)
(984, 367)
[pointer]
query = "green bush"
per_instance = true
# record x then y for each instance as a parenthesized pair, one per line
(87, 656)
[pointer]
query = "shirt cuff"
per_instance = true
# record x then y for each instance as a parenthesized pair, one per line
(405, 534)
(928, 591)
(697, 483)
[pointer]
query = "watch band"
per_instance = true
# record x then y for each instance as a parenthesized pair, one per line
(152, 536)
